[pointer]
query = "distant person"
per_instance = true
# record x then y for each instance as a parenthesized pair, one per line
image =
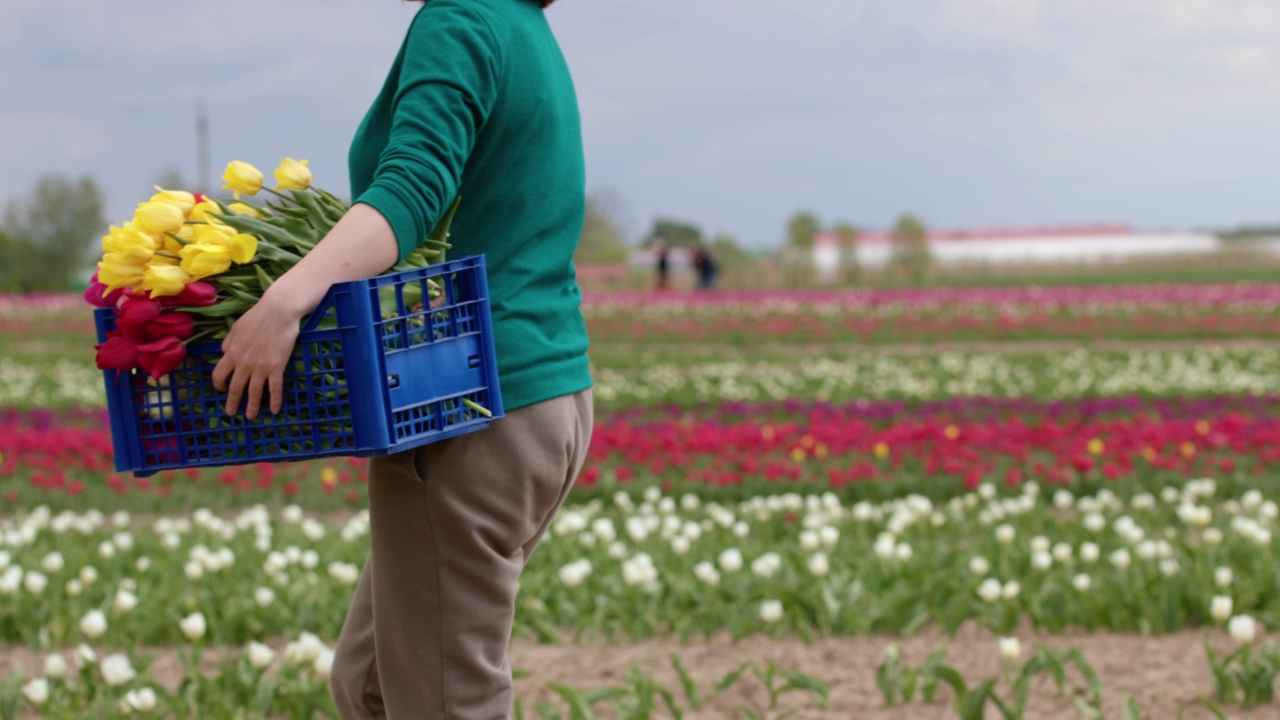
(662, 263)
(705, 266)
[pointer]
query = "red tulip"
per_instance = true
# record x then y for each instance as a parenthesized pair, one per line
(117, 353)
(135, 315)
(198, 293)
(159, 358)
(96, 294)
(171, 324)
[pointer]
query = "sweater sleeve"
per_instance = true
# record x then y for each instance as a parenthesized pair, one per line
(447, 87)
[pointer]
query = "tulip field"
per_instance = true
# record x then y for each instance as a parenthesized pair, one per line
(946, 503)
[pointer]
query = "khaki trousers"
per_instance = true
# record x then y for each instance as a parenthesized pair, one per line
(452, 524)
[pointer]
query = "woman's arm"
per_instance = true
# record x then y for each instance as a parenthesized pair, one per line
(257, 349)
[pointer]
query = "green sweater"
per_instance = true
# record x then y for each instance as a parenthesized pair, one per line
(480, 103)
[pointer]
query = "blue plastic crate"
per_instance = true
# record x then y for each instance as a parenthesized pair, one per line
(376, 370)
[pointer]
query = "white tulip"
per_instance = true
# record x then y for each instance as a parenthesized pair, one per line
(690, 503)
(979, 566)
(143, 564)
(55, 666)
(93, 624)
(123, 541)
(1223, 577)
(575, 573)
(766, 565)
(1081, 582)
(617, 550)
(88, 575)
(116, 670)
(1010, 648)
(1089, 552)
(309, 559)
(771, 611)
(323, 664)
(85, 655)
(1212, 536)
(731, 560)
(680, 545)
(260, 656)
(1094, 522)
(1011, 590)
(291, 514)
(1005, 534)
(707, 573)
(1120, 559)
(1063, 499)
(819, 565)
(53, 562)
(142, 699)
(1040, 544)
(1243, 628)
(1041, 561)
(989, 590)
(1220, 608)
(1169, 567)
(741, 530)
(193, 570)
(828, 535)
(264, 596)
(35, 582)
(36, 691)
(193, 626)
(125, 601)
(809, 540)
(1062, 553)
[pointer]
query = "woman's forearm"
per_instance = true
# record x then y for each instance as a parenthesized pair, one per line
(361, 245)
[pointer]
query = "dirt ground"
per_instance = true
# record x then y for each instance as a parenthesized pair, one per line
(1166, 674)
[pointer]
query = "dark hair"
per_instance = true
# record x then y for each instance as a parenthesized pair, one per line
(543, 3)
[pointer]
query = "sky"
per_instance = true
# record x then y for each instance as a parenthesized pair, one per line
(728, 114)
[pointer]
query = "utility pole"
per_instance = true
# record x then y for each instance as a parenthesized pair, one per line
(202, 143)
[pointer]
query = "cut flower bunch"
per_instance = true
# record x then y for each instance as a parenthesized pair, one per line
(187, 265)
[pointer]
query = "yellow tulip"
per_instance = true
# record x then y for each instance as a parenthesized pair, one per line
(182, 199)
(170, 258)
(243, 247)
(212, 234)
(200, 213)
(119, 271)
(241, 177)
(163, 280)
(244, 209)
(128, 241)
(158, 218)
(293, 175)
(204, 259)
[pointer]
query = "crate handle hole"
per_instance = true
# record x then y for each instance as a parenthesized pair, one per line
(393, 381)
(473, 361)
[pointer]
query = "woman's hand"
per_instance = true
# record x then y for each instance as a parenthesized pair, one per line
(257, 349)
(255, 354)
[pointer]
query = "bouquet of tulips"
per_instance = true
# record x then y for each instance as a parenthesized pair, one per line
(187, 265)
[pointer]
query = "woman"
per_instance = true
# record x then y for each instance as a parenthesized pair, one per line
(479, 104)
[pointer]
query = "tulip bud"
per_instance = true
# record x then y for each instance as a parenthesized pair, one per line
(171, 324)
(161, 357)
(199, 294)
(165, 280)
(117, 353)
(241, 177)
(158, 218)
(293, 175)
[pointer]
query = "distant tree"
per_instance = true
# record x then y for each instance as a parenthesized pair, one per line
(56, 229)
(601, 231)
(676, 233)
(910, 256)
(802, 228)
(727, 252)
(847, 235)
(15, 256)
(171, 178)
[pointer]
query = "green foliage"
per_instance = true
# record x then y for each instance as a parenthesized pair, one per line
(910, 257)
(1247, 675)
(676, 233)
(51, 233)
(602, 239)
(802, 228)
